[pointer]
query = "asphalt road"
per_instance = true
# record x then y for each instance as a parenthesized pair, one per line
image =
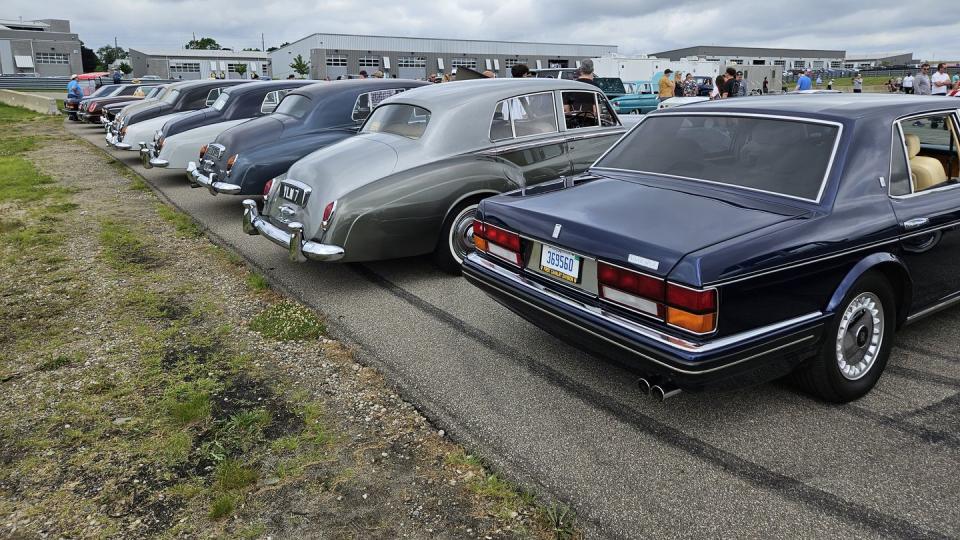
(764, 462)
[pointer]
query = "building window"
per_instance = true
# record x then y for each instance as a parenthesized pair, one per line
(411, 62)
(848, 65)
(713, 59)
(264, 68)
(799, 64)
(779, 62)
(866, 64)
(464, 62)
(738, 61)
(232, 68)
(184, 67)
(510, 62)
(818, 64)
(337, 60)
(835, 63)
(52, 58)
(369, 61)
(759, 62)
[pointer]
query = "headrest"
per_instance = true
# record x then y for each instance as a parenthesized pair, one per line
(913, 145)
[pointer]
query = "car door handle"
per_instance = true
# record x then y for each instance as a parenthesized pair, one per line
(915, 223)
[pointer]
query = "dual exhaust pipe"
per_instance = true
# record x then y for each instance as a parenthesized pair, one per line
(659, 389)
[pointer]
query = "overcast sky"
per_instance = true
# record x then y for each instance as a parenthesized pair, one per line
(928, 28)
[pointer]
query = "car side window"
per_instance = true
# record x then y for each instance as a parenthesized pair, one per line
(271, 100)
(213, 95)
(523, 116)
(587, 109)
(368, 101)
(932, 151)
(607, 118)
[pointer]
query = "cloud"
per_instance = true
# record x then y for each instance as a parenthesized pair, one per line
(925, 27)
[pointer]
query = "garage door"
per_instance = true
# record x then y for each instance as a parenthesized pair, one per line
(412, 67)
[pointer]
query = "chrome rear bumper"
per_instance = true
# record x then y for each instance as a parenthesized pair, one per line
(201, 180)
(299, 250)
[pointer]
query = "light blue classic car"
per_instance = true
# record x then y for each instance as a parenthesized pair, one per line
(641, 98)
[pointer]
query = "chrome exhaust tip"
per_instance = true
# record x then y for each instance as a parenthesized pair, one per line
(645, 385)
(662, 392)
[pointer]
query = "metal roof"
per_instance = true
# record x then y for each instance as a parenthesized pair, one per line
(203, 53)
(717, 50)
(452, 45)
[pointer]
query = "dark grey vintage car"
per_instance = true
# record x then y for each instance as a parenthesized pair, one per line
(409, 183)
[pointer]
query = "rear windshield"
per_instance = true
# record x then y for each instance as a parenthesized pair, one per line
(405, 120)
(786, 157)
(171, 96)
(294, 105)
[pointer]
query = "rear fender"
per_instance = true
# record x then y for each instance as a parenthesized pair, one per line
(890, 266)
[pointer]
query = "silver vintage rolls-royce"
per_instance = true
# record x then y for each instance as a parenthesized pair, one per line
(409, 183)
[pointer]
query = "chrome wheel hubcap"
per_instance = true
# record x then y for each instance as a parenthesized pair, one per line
(461, 233)
(860, 336)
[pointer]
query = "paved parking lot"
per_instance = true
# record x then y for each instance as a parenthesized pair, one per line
(763, 462)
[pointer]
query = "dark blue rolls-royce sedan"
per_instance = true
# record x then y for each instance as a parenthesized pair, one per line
(730, 243)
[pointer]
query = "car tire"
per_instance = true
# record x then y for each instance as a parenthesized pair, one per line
(856, 345)
(456, 238)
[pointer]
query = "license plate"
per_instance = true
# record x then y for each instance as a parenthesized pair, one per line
(292, 193)
(560, 264)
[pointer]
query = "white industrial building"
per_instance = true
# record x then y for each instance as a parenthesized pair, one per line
(188, 64)
(337, 55)
(44, 48)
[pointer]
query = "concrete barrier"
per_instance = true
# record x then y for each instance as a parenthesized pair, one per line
(40, 104)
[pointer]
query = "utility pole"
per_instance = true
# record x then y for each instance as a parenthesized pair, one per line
(263, 47)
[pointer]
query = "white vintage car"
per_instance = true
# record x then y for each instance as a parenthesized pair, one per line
(179, 140)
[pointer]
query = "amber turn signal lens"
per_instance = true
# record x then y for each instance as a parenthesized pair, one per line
(203, 151)
(231, 161)
(700, 324)
(481, 243)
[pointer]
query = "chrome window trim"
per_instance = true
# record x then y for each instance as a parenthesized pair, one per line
(823, 182)
(650, 333)
(898, 124)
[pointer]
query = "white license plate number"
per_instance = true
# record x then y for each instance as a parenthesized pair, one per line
(560, 264)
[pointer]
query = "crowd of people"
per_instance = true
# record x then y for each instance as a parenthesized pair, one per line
(925, 83)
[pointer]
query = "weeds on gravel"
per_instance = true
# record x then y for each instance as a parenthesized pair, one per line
(123, 248)
(137, 184)
(185, 226)
(223, 506)
(558, 520)
(257, 282)
(286, 321)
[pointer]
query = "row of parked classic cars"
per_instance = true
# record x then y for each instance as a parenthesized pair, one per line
(711, 245)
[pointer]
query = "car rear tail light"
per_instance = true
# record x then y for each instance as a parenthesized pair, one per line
(203, 151)
(498, 242)
(266, 190)
(328, 214)
(689, 309)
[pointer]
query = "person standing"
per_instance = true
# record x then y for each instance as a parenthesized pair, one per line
(804, 82)
(666, 85)
(830, 84)
(717, 86)
(766, 86)
(908, 83)
(690, 86)
(742, 86)
(362, 74)
(117, 76)
(940, 81)
(857, 83)
(955, 78)
(729, 88)
(819, 81)
(519, 71)
(585, 73)
(677, 85)
(921, 83)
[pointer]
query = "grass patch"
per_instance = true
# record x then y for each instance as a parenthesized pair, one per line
(122, 247)
(187, 403)
(137, 184)
(257, 282)
(10, 114)
(558, 521)
(55, 363)
(23, 182)
(185, 226)
(287, 321)
(11, 146)
(223, 506)
(156, 306)
(34, 236)
(232, 474)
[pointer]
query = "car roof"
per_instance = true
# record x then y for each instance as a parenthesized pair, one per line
(839, 107)
(453, 94)
(209, 83)
(352, 86)
(264, 86)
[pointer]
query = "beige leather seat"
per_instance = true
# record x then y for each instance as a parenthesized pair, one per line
(927, 171)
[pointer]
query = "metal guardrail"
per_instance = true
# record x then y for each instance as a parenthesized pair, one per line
(13, 82)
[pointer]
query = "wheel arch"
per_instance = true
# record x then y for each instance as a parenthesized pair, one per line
(472, 197)
(892, 268)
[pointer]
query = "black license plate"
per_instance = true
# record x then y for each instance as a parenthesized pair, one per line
(292, 194)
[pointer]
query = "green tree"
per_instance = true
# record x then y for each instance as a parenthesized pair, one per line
(206, 43)
(89, 58)
(251, 49)
(284, 44)
(125, 68)
(241, 69)
(108, 54)
(301, 66)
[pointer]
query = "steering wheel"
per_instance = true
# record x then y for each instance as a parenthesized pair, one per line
(581, 118)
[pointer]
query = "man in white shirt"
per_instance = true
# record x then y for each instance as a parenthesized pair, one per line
(908, 84)
(940, 81)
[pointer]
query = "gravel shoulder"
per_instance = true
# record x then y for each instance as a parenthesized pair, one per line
(154, 386)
